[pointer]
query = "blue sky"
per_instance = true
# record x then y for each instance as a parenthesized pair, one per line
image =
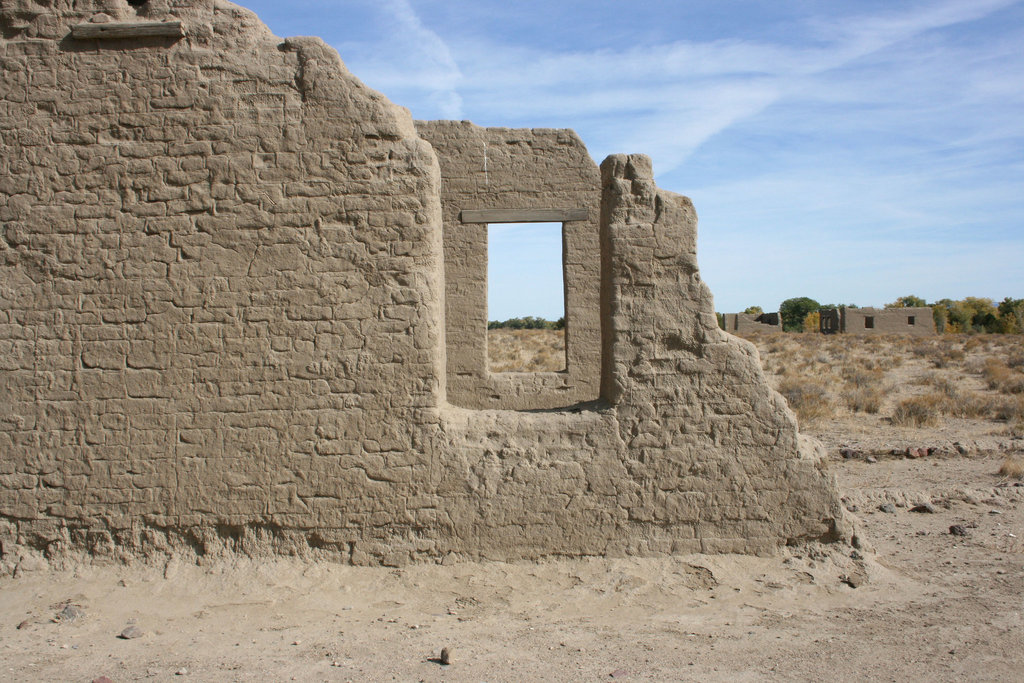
(852, 152)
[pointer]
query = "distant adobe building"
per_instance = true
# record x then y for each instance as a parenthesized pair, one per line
(917, 321)
(243, 307)
(745, 323)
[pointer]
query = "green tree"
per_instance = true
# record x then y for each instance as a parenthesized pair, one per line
(755, 310)
(794, 311)
(909, 301)
(1011, 315)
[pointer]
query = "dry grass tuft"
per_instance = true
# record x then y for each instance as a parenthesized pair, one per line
(1001, 377)
(864, 399)
(918, 411)
(525, 350)
(808, 397)
(1012, 467)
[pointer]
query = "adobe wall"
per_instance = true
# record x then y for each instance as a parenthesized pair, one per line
(747, 323)
(916, 322)
(223, 273)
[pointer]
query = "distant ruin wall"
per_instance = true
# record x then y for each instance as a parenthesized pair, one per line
(915, 321)
(747, 323)
(223, 278)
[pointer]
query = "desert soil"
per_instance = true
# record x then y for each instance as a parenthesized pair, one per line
(915, 602)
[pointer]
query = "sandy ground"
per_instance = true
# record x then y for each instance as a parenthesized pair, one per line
(915, 603)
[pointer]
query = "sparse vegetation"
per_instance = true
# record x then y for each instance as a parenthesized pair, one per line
(526, 350)
(1012, 467)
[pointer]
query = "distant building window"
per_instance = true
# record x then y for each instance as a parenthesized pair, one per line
(869, 322)
(910, 320)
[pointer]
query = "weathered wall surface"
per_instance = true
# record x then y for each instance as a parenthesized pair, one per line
(222, 323)
(917, 322)
(747, 323)
(221, 284)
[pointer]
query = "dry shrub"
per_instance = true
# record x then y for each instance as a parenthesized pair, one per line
(1012, 467)
(808, 397)
(525, 350)
(864, 399)
(999, 376)
(970, 404)
(918, 411)
(1011, 409)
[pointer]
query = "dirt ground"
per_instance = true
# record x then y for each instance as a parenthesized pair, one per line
(916, 602)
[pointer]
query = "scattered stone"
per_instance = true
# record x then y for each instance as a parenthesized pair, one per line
(181, 672)
(848, 453)
(995, 512)
(100, 18)
(446, 656)
(958, 530)
(888, 508)
(915, 453)
(854, 555)
(70, 613)
(25, 624)
(618, 673)
(131, 632)
(960, 448)
(871, 459)
(923, 507)
(102, 679)
(854, 579)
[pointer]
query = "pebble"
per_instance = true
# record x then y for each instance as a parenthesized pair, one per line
(958, 530)
(24, 624)
(131, 632)
(181, 672)
(923, 507)
(871, 458)
(887, 507)
(446, 656)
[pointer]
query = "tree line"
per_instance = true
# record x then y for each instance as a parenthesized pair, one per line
(527, 323)
(971, 314)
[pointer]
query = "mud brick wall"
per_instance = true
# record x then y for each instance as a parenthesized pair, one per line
(221, 282)
(223, 322)
(745, 323)
(916, 322)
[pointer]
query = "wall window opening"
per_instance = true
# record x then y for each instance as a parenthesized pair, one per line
(525, 297)
(910, 320)
(869, 322)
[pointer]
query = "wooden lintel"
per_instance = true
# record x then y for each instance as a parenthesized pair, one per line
(134, 29)
(522, 215)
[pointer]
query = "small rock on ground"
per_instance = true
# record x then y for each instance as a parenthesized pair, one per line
(131, 632)
(958, 530)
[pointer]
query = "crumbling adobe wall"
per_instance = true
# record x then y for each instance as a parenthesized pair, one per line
(222, 324)
(220, 298)
(914, 321)
(746, 323)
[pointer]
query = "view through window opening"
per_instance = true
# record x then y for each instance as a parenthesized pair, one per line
(526, 297)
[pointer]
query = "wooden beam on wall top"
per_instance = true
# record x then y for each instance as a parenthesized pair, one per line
(135, 29)
(522, 215)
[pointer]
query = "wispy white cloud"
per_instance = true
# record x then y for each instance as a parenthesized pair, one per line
(413, 56)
